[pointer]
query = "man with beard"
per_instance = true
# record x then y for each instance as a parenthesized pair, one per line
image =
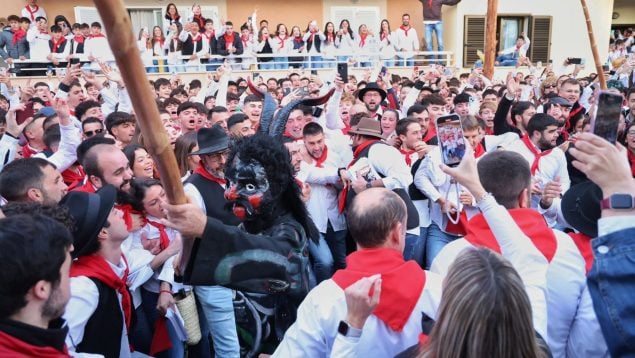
(570, 90)
(559, 108)
(104, 163)
(206, 188)
(547, 162)
(34, 287)
(32, 180)
(372, 95)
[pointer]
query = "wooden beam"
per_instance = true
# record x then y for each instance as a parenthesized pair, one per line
(594, 46)
(491, 23)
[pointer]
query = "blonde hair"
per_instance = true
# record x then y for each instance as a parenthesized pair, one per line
(488, 105)
(484, 311)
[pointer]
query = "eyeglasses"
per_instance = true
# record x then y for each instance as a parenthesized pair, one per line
(631, 133)
(217, 156)
(89, 134)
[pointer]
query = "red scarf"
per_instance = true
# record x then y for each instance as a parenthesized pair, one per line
(86, 187)
(319, 162)
(399, 296)
(127, 211)
(479, 151)
(358, 150)
(18, 35)
(362, 41)
(56, 44)
(73, 178)
(200, 170)
(159, 40)
(407, 154)
(382, 36)
(229, 40)
(163, 235)
(330, 37)
(631, 159)
(460, 228)
(429, 3)
(530, 222)
(430, 133)
(94, 36)
(405, 29)
(312, 37)
(489, 130)
(282, 41)
(27, 151)
(535, 152)
(79, 39)
(11, 346)
(244, 39)
(583, 243)
(95, 266)
(32, 12)
(199, 19)
(196, 39)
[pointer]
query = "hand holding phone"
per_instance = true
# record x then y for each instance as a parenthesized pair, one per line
(342, 70)
(606, 119)
(451, 140)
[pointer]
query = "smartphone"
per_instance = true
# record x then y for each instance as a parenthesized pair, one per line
(526, 92)
(317, 112)
(451, 140)
(342, 70)
(605, 68)
(383, 71)
(286, 91)
(74, 60)
(574, 60)
(21, 116)
(314, 72)
(606, 120)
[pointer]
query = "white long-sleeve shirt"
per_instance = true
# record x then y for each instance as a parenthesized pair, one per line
(522, 51)
(66, 154)
(386, 161)
(409, 42)
(38, 44)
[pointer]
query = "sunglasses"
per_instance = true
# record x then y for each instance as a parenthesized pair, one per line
(89, 134)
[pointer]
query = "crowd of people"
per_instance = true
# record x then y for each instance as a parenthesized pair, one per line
(321, 217)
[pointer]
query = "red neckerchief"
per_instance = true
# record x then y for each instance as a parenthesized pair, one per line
(18, 35)
(530, 222)
(362, 39)
(342, 199)
(44, 32)
(298, 39)
(399, 296)
(574, 111)
(429, 3)
(460, 228)
(95, 266)
(382, 36)
(407, 154)
(282, 41)
(127, 212)
(196, 39)
(479, 151)
(199, 19)
(79, 39)
(430, 133)
(94, 36)
(160, 41)
(32, 12)
(87, 187)
(208, 37)
(299, 183)
(489, 131)
(347, 127)
(200, 170)
(319, 162)
(535, 152)
(583, 243)
(56, 44)
(330, 37)
(244, 39)
(73, 178)
(405, 29)
(11, 346)
(163, 235)
(27, 151)
(631, 159)
(229, 40)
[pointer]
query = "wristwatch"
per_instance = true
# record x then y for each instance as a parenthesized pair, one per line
(347, 331)
(618, 201)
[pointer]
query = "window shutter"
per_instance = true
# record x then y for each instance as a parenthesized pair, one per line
(356, 15)
(540, 30)
(87, 14)
(474, 38)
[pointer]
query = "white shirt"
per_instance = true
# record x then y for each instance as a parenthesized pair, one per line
(38, 43)
(99, 48)
(386, 160)
(408, 42)
(26, 13)
(82, 305)
(66, 154)
(315, 329)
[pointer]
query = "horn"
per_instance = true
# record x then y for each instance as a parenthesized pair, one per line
(277, 128)
(269, 107)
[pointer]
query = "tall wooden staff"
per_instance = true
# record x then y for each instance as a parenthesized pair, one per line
(490, 38)
(594, 46)
(124, 46)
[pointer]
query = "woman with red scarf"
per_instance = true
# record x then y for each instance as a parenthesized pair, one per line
(365, 45)
(387, 43)
(281, 45)
(328, 46)
(171, 17)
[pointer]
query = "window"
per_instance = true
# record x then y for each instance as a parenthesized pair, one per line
(356, 15)
(509, 28)
(147, 18)
(87, 14)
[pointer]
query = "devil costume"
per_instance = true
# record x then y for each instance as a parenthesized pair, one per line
(265, 258)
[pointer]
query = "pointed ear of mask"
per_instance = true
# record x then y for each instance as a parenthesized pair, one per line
(280, 122)
(269, 107)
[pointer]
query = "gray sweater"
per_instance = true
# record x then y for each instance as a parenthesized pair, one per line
(8, 49)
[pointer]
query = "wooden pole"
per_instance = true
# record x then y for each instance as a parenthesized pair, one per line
(594, 46)
(124, 46)
(491, 24)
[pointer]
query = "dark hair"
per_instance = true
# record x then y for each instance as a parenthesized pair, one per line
(519, 108)
(59, 213)
(161, 82)
(350, 29)
(87, 157)
(371, 222)
(48, 121)
(90, 120)
(415, 108)
(131, 152)
(505, 174)
(167, 12)
(56, 29)
(195, 83)
(32, 248)
(490, 91)
(15, 18)
(25, 20)
(433, 99)
(539, 122)
(216, 109)
(182, 148)
(52, 135)
(171, 100)
(185, 106)
(461, 98)
(83, 107)
(232, 97)
(180, 90)
(252, 98)
(312, 128)
(117, 118)
(236, 118)
(95, 24)
(403, 124)
(17, 177)
(629, 92)
(138, 188)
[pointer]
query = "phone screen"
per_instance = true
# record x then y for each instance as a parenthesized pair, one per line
(21, 116)
(451, 140)
(342, 70)
(607, 116)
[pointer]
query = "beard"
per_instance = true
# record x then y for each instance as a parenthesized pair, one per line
(544, 144)
(372, 107)
(54, 306)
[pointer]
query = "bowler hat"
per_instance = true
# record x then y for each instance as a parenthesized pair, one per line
(368, 127)
(90, 212)
(211, 140)
(371, 86)
(581, 207)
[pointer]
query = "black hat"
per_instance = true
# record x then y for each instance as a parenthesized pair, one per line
(560, 101)
(371, 86)
(211, 140)
(90, 212)
(581, 207)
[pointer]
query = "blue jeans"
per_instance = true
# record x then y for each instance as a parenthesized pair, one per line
(322, 259)
(266, 65)
(438, 30)
(414, 249)
(435, 242)
(507, 60)
(337, 243)
(389, 63)
(212, 64)
(218, 310)
(342, 58)
(281, 63)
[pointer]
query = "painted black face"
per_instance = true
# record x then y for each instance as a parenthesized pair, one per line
(248, 188)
